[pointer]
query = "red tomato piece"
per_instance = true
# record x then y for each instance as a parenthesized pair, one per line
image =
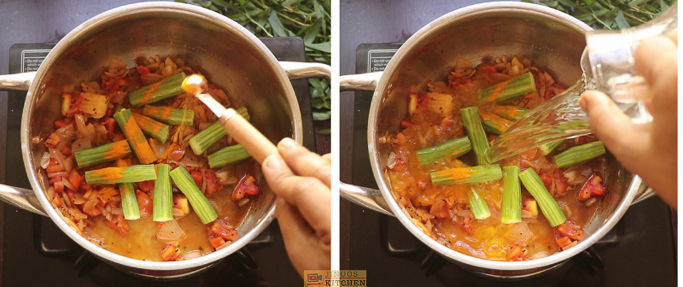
(406, 124)
(75, 179)
(110, 125)
(216, 241)
(229, 234)
(592, 187)
(198, 177)
(560, 183)
(489, 69)
(212, 185)
(52, 140)
(170, 252)
(547, 180)
(563, 241)
(570, 230)
(447, 122)
(61, 123)
(146, 186)
(145, 204)
(246, 186)
(142, 70)
(59, 187)
(516, 253)
(119, 224)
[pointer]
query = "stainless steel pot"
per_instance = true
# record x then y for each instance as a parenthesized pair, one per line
(229, 55)
(553, 41)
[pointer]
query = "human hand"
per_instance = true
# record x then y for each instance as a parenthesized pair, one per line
(649, 150)
(302, 184)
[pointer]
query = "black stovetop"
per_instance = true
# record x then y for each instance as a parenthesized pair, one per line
(638, 251)
(35, 252)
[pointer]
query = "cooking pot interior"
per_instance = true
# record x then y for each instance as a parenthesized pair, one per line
(223, 54)
(551, 44)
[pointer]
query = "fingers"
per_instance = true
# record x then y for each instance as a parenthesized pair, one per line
(660, 68)
(612, 126)
(295, 232)
(304, 162)
(308, 194)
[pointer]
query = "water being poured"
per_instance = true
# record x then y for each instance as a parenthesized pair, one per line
(608, 65)
(559, 118)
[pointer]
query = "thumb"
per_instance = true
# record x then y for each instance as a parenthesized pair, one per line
(615, 129)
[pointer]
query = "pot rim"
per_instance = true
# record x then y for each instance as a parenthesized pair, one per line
(377, 167)
(34, 90)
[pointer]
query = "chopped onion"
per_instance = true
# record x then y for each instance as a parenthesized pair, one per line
(192, 255)
(56, 174)
(67, 133)
(68, 184)
(45, 160)
(243, 202)
(81, 144)
(519, 233)
(170, 232)
(539, 255)
(391, 161)
(158, 148)
(78, 199)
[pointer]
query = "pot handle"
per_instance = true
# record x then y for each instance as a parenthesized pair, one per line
(22, 198)
(644, 192)
(302, 70)
(16, 82)
(359, 82)
(365, 197)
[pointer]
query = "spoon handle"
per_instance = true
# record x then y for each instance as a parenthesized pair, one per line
(247, 135)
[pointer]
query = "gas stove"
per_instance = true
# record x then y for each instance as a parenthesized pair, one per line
(639, 251)
(35, 252)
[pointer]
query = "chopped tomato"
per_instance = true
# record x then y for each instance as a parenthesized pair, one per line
(246, 186)
(216, 241)
(465, 224)
(52, 140)
(176, 152)
(119, 224)
(585, 139)
(592, 187)
(55, 179)
(70, 194)
(145, 204)
(198, 177)
(229, 234)
(563, 241)
(406, 124)
(142, 70)
(489, 69)
(212, 185)
(560, 183)
(516, 253)
(75, 179)
(53, 166)
(570, 230)
(66, 151)
(547, 180)
(110, 125)
(85, 187)
(93, 211)
(170, 252)
(146, 186)
(59, 187)
(60, 124)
